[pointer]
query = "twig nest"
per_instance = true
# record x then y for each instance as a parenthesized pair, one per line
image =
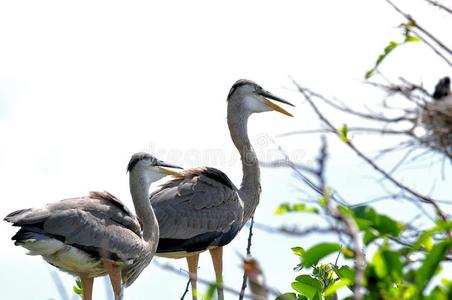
(436, 118)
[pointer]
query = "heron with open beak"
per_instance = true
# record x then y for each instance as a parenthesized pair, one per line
(202, 209)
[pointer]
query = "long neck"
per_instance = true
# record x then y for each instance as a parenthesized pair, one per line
(139, 188)
(250, 188)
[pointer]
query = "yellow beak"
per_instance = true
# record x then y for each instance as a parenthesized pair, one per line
(277, 107)
(169, 172)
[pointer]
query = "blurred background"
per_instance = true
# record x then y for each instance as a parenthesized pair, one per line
(84, 85)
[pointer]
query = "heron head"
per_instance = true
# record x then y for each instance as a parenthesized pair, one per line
(255, 99)
(152, 168)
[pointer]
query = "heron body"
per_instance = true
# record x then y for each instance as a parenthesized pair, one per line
(202, 209)
(212, 220)
(97, 234)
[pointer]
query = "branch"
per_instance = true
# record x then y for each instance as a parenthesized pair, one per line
(295, 231)
(423, 30)
(440, 6)
(398, 184)
(248, 253)
(186, 290)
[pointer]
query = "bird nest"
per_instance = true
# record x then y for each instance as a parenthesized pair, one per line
(436, 118)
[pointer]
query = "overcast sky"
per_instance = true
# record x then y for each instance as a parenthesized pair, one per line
(85, 84)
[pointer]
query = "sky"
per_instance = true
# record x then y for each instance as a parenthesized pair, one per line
(84, 85)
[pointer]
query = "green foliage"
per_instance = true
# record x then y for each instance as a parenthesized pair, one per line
(343, 133)
(77, 288)
(390, 272)
(313, 255)
(408, 38)
(298, 207)
(209, 295)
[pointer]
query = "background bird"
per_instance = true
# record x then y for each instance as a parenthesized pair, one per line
(96, 235)
(442, 90)
(256, 279)
(201, 209)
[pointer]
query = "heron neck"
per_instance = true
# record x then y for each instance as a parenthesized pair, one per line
(139, 189)
(250, 188)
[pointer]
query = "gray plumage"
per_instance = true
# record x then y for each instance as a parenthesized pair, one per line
(202, 204)
(77, 235)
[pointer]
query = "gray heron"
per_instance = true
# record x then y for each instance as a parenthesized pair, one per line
(97, 234)
(201, 209)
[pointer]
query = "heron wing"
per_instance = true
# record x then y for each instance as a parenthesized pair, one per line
(197, 210)
(98, 224)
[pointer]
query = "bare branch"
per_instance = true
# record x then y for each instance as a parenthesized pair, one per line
(186, 289)
(297, 232)
(248, 253)
(440, 6)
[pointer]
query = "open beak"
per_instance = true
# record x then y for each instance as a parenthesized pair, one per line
(267, 95)
(163, 167)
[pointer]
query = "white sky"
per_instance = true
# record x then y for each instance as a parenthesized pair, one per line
(83, 85)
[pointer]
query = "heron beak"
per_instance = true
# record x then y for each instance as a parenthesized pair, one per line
(167, 171)
(269, 96)
(163, 168)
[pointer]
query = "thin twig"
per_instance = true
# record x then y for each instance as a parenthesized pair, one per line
(248, 253)
(295, 231)
(186, 289)
(440, 5)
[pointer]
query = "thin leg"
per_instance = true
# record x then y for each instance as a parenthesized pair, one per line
(217, 259)
(115, 277)
(87, 286)
(192, 262)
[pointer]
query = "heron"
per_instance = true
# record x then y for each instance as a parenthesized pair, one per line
(201, 209)
(97, 234)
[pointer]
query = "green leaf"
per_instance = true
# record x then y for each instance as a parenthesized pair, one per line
(425, 240)
(343, 133)
(287, 296)
(366, 217)
(379, 264)
(369, 237)
(308, 286)
(298, 207)
(388, 49)
(210, 292)
(431, 262)
(337, 285)
(77, 288)
(317, 252)
(298, 251)
(345, 272)
(387, 264)
(411, 38)
(394, 266)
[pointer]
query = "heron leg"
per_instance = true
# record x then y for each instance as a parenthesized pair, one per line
(87, 286)
(217, 259)
(192, 262)
(114, 272)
